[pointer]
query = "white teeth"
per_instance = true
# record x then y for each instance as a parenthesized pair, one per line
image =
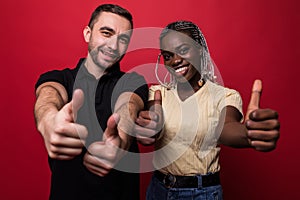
(180, 69)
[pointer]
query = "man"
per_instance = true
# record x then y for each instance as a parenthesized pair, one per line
(71, 104)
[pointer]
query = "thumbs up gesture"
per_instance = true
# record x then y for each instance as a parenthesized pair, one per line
(262, 124)
(149, 122)
(63, 137)
(102, 156)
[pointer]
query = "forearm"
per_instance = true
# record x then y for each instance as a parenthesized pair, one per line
(234, 134)
(50, 97)
(128, 106)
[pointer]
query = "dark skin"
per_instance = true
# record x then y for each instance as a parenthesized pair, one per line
(260, 129)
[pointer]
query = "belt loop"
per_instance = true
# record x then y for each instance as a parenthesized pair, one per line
(199, 177)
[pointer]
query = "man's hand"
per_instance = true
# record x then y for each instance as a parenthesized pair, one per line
(262, 124)
(64, 138)
(102, 156)
(149, 123)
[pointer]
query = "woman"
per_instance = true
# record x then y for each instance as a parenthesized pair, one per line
(198, 116)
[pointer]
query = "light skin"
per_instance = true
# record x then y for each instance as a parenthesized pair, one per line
(260, 129)
(56, 118)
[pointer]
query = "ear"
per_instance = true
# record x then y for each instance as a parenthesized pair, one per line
(87, 33)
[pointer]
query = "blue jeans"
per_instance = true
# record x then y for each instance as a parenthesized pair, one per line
(157, 191)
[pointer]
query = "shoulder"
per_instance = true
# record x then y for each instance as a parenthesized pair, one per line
(156, 87)
(221, 90)
(60, 76)
(65, 77)
(225, 96)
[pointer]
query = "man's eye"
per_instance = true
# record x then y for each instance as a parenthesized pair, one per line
(124, 40)
(106, 33)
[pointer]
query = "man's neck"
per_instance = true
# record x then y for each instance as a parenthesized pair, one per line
(94, 69)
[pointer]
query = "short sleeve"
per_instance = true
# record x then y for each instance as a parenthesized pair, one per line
(233, 98)
(55, 76)
(131, 82)
(65, 77)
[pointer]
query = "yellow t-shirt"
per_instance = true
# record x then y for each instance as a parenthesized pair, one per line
(188, 142)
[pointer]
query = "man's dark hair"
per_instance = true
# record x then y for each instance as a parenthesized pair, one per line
(112, 8)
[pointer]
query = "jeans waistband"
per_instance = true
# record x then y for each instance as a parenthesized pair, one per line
(197, 181)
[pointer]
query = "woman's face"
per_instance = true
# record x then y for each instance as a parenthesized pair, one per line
(181, 55)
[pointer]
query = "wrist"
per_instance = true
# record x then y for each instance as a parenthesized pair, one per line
(46, 118)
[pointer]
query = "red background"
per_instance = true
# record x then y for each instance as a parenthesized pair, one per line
(247, 39)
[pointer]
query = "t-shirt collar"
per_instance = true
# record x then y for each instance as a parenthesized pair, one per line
(83, 72)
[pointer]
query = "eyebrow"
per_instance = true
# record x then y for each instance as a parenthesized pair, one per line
(180, 46)
(106, 28)
(175, 50)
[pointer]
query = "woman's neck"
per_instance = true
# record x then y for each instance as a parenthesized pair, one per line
(187, 89)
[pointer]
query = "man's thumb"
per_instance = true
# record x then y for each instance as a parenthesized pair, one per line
(77, 102)
(112, 126)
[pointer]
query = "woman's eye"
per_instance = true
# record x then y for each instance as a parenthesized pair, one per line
(183, 51)
(166, 57)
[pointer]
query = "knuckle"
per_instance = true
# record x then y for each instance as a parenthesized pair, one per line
(277, 125)
(82, 133)
(85, 132)
(59, 128)
(53, 150)
(109, 166)
(76, 152)
(52, 155)
(275, 113)
(54, 140)
(277, 135)
(111, 155)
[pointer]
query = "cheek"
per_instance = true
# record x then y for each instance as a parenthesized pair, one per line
(123, 48)
(194, 60)
(97, 41)
(167, 62)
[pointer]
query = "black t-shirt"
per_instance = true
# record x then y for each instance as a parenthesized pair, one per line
(70, 179)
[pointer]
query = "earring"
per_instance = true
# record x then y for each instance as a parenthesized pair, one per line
(200, 82)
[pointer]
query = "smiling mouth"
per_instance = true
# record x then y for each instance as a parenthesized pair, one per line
(181, 70)
(112, 55)
(109, 54)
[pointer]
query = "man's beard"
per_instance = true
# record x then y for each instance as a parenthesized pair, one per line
(103, 64)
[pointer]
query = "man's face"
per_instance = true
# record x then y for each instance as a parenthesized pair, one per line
(108, 39)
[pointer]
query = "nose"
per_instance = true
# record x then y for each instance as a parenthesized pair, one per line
(177, 60)
(112, 43)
